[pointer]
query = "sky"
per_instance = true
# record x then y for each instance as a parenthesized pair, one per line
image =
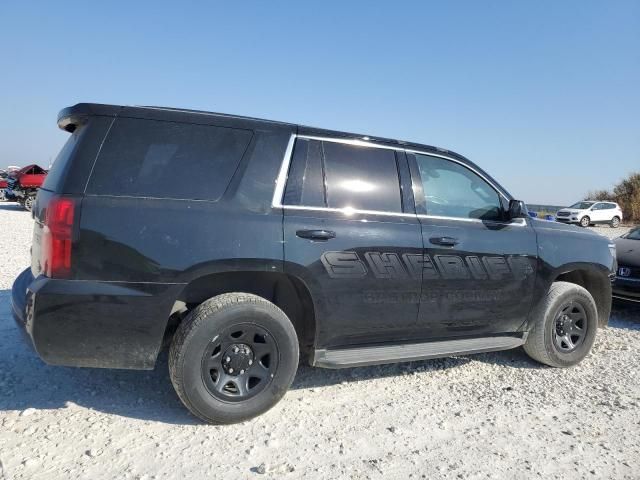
(543, 95)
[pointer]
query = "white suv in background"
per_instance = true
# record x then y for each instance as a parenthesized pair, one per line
(590, 212)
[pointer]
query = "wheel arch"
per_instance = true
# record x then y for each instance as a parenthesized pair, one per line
(595, 282)
(286, 291)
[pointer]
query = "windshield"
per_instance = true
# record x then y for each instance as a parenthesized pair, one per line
(633, 234)
(582, 205)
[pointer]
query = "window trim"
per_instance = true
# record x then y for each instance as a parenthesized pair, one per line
(281, 181)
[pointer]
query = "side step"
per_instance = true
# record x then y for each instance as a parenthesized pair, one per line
(380, 354)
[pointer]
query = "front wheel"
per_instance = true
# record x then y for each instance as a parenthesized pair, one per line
(585, 221)
(233, 357)
(615, 222)
(564, 327)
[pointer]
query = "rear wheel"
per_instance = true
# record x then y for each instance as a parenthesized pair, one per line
(233, 357)
(615, 222)
(565, 326)
(28, 202)
(585, 221)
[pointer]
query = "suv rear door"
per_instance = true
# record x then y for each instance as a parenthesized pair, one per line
(352, 235)
(479, 268)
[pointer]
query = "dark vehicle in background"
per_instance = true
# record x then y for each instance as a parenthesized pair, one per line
(627, 282)
(22, 186)
(288, 242)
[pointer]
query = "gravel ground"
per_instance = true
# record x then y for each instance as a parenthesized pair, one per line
(496, 415)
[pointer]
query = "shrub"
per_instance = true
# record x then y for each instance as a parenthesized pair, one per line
(626, 193)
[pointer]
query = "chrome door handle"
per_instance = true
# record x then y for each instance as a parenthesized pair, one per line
(444, 241)
(321, 235)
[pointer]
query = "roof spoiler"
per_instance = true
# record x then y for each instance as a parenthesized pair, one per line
(70, 118)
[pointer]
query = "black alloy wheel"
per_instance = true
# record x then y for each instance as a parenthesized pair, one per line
(570, 328)
(240, 362)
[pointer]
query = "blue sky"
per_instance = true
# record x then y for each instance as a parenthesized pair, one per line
(544, 95)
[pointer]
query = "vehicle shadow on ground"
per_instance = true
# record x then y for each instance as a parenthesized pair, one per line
(625, 315)
(26, 382)
(12, 207)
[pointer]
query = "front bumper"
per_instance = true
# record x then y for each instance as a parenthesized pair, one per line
(567, 220)
(93, 324)
(626, 289)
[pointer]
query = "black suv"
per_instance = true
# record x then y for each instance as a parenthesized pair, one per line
(247, 243)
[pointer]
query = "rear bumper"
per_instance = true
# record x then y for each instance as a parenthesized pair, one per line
(627, 289)
(93, 324)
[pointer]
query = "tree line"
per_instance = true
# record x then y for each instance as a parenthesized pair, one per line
(626, 194)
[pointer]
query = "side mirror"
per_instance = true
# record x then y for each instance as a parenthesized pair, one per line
(517, 209)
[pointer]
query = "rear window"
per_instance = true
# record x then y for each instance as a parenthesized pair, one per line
(58, 168)
(149, 158)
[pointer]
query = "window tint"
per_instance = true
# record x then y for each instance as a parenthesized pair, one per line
(452, 190)
(58, 168)
(167, 160)
(609, 206)
(362, 178)
(304, 183)
(581, 205)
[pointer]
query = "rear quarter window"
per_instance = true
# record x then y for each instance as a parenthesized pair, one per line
(150, 158)
(56, 173)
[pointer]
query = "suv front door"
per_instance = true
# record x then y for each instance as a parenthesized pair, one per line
(602, 212)
(352, 236)
(479, 267)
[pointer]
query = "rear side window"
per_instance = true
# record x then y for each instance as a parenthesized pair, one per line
(337, 175)
(362, 178)
(149, 158)
(305, 184)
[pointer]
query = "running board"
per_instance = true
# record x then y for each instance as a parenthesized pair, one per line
(380, 354)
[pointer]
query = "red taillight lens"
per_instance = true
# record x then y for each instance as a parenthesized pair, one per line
(57, 237)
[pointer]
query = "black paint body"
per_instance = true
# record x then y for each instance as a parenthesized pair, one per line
(627, 282)
(381, 279)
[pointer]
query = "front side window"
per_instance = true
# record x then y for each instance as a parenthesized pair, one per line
(452, 190)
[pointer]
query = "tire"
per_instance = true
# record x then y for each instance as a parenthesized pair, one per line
(28, 202)
(585, 221)
(544, 342)
(217, 360)
(615, 222)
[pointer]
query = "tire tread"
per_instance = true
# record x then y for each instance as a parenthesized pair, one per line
(535, 345)
(189, 327)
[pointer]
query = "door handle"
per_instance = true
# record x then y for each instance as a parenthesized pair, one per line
(321, 235)
(444, 241)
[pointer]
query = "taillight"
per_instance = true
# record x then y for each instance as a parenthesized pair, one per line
(57, 237)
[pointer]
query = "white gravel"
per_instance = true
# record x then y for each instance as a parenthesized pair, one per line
(497, 415)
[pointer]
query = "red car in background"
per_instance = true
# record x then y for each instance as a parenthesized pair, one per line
(22, 186)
